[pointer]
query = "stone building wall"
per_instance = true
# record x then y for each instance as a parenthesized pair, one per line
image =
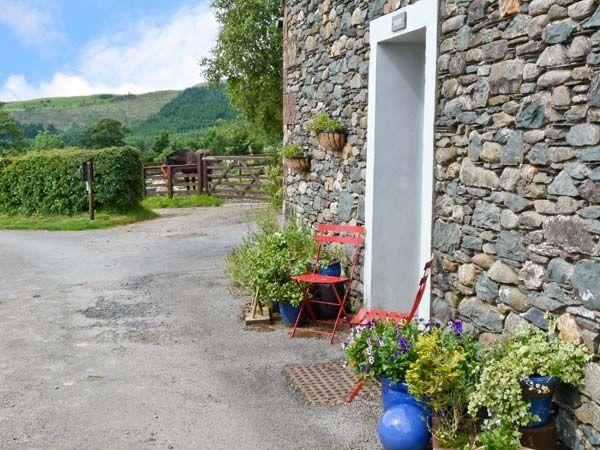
(517, 174)
(326, 65)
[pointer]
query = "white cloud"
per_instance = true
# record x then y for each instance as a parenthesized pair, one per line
(32, 22)
(149, 56)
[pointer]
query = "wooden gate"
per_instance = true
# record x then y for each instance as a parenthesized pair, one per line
(185, 179)
(229, 177)
(237, 177)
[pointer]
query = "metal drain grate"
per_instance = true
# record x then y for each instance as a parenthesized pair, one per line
(327, 383)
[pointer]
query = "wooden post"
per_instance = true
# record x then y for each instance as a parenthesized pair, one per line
(144, 178)
(199, 156)
(90, 182)
(170, 181)
(205, 173)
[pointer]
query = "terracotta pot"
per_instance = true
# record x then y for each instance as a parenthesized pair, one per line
(332, 140)
(298, 163)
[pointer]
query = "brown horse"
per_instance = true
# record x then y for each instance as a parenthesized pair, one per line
(185, 157)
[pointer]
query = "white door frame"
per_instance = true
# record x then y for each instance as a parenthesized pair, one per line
(421, 15)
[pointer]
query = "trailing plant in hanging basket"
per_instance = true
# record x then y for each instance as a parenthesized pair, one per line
(296, 159)
(330, 132)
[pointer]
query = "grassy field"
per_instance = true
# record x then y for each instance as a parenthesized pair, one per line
(191, 201)
(66, 112)
(77, 222)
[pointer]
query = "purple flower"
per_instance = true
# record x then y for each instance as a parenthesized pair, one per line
(369, 342)
(457, 327)
(371, 360)
(395, 354)
(364, 368)
(330, 115)
(404, 345)
(369, 351)
(380, 341)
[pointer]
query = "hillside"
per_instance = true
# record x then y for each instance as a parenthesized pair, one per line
(73, 112)
(194, 109)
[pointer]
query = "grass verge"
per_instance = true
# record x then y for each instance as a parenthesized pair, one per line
(77, 222)
(191, 201)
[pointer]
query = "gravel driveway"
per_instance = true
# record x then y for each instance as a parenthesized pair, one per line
(129, 338)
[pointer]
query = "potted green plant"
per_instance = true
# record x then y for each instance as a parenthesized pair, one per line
(296, 158)
(517, 382)
(266, 262)
(443, 375)
(330, 132)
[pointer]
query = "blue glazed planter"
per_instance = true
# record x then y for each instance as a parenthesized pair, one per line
(395, 393)
(275, 307)
(289, 313)
(326, 294)
(334, 270)
(402, 428)
(540, 403)
(405, 422)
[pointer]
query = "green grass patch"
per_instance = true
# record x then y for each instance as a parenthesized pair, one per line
(78, 222)
(192, 201)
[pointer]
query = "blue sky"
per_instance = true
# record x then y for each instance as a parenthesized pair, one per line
(55, 48)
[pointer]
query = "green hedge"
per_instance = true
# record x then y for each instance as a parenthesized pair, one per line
(50, 182)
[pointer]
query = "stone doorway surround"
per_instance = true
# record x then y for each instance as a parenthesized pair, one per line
(399, 185)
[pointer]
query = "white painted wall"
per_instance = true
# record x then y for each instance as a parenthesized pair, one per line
(399, 191)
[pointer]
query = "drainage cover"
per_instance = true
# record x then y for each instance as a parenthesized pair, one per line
(328, 383)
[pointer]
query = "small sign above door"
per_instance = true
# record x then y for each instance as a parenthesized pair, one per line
(399, 22)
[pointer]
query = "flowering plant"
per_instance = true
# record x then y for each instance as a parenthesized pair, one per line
(381, 349)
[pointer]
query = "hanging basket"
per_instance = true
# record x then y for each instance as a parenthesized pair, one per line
(332, 140)
(298, 163)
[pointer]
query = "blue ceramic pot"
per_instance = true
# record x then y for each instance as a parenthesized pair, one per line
(326, 294)
(402, 427)
(275, 307)
(540, 403)
(395, 393)
(405, 423)
(289, 313)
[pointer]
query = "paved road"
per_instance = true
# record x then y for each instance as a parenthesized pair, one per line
(129, 338)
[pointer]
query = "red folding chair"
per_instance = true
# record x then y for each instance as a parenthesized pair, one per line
(365, 315)
(341, 234)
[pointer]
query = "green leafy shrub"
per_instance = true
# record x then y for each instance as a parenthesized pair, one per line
(267, 260)
(381, 349)
(50, 182)
(444, 375)
(274, 172)
(325, 122)
(507, 368)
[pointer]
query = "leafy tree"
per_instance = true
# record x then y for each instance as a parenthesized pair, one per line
(105, 133)
(249, 56)
(237, 137)
(11, 136)
(162, 142)
(46, 140)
